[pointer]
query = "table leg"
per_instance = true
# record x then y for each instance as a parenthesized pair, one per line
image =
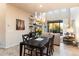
(41, 52)
(20, 49)
(47, 51)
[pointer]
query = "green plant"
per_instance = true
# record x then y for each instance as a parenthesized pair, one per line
(39, 31)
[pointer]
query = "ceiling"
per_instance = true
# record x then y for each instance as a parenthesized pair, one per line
(35, 7)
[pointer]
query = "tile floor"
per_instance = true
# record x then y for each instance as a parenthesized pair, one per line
(14, 51)
(62, 50)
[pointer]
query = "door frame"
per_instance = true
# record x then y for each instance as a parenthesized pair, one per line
(55, 21)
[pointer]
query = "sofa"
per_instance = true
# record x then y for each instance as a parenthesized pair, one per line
(56, 37)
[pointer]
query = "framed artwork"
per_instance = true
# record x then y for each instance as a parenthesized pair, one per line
(20, 24)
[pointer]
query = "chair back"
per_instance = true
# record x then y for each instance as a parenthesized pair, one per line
(32, 35)
(25, 37)
(51, 42)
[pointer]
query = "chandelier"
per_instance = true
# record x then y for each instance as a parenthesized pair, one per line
(39, 18)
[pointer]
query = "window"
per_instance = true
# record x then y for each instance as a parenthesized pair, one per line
(55, 26)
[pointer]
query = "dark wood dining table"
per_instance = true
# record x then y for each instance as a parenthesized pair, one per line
(39, 44)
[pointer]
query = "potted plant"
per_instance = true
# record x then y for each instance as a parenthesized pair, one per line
(39, 32)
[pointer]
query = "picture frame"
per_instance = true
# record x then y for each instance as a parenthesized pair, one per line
(20, 24)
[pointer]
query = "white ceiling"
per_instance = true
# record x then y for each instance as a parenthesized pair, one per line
(35, 7)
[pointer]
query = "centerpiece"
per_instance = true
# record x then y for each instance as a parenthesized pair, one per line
(39, 32)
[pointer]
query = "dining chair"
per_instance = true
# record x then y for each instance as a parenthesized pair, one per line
(27, 47)
(45, 49)
(32, 35)
(51, 45)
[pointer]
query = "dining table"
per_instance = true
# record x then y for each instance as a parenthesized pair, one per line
(37, 43)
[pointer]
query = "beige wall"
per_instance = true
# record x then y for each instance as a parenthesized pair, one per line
(13, 36)
(9, 36)
(2, 24)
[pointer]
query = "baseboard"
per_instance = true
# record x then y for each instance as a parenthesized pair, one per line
(2, 46)
(12, 45)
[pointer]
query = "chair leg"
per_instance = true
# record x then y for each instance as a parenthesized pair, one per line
(53, 49)
(36, 52)
(52, 52)
(28, 51)
(47, 51)
(24, 52)
(31, 52)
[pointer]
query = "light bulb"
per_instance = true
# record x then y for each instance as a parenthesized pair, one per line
(41, 6)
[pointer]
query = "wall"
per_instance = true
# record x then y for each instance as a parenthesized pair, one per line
(59, 14)
(13, 36)
(2, 25)
(75, 18)
(63, 14)
(9, 36)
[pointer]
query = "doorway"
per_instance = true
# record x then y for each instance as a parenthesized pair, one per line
(55, 26)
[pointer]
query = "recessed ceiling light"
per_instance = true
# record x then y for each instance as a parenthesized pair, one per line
(41, 6)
